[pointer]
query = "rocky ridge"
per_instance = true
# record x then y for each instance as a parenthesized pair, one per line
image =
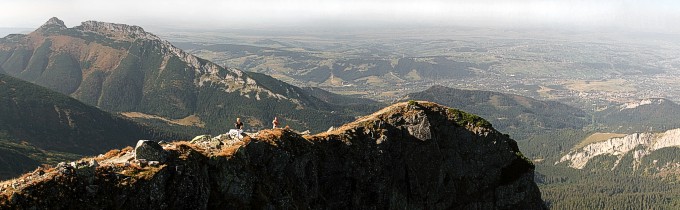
(637, 144)
(113, 29)
(416, 155)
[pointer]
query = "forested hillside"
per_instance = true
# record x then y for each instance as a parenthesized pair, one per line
(651, 183)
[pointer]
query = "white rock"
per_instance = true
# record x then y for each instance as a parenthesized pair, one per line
(648, 142)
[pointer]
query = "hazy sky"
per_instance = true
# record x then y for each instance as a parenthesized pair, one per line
(657, 16)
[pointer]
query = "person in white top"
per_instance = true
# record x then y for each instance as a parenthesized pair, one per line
(275, 122)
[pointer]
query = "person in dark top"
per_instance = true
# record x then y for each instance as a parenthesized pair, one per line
(238, 124)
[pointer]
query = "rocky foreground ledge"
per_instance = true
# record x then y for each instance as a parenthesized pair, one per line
(415, 155)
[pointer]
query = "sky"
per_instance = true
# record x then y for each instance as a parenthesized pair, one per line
(660, 16)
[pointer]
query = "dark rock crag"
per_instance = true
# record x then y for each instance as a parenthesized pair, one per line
(149, 150)
(406, 156)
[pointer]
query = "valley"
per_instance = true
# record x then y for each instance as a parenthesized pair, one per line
(590, 69)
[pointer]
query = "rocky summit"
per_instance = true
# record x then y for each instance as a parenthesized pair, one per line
(415, 155)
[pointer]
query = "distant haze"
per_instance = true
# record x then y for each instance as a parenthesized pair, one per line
(660, 16)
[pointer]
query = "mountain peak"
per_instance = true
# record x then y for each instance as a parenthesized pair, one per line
(53, 22)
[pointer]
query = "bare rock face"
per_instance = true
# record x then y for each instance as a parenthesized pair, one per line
(419, 127)
(150, 151)
(397, 158)
(637, 144)
(113, 29)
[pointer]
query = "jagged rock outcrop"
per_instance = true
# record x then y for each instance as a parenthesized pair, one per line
(403, 157)
(131, 32)
(637, 144)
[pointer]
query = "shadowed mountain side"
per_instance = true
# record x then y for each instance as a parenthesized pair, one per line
(37, 124)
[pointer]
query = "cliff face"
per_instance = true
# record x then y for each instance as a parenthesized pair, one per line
(417, 156)
(637, 145)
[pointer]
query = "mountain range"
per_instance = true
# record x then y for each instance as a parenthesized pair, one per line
(124, 69)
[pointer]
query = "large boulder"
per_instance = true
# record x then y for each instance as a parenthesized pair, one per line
(150, 151)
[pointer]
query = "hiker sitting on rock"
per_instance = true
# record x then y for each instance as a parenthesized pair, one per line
(275, 122)
(238, 124)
